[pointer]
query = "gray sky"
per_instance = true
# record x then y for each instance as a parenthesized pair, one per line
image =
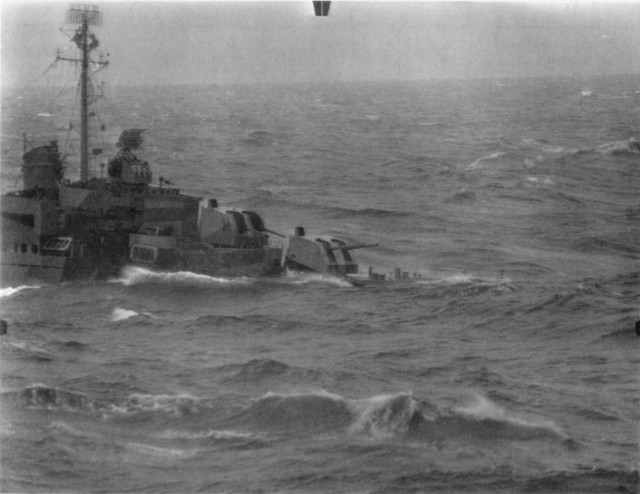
(227, 42)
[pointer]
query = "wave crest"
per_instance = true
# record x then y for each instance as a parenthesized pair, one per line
(50, 398)
(387, 415)
(120, 314)
(632, 146)
(317, 278)
(133, 275)
(10, 290)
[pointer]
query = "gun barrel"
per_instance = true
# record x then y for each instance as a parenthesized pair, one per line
(275, 233)
(353, 247)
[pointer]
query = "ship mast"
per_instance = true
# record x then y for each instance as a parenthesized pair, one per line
(85, 16)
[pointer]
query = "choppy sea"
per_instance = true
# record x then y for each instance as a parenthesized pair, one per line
(508, 362)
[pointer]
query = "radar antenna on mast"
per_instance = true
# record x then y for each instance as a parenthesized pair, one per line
(85, 16)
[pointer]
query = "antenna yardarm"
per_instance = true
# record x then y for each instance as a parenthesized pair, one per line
(81, 13)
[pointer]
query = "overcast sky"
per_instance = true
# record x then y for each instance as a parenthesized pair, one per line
(227, 42)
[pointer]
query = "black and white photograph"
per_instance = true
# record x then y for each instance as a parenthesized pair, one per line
(309, 247)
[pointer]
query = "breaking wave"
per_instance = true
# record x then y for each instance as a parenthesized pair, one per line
(632, 146)
(176, 405)
(8, 291)
(119, 314)
(396, 415)
(50, 398)
(383, 416)
(26, 351)
(317, 278)
(135, 275)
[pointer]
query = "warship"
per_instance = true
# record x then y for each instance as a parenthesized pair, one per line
(56, 229)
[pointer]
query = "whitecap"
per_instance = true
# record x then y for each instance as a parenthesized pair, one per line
(120, 314)
(318, 278)
(484, 409)
(133, 275)
(465, 279)
(384, 415)
(209, 434)
(486, 158)
(632, 146)
(8, 291)
(145, 403)
(162, 452)
(538, 180)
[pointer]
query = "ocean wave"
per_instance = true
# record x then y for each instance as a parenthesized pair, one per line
(546, 146)
(468, 280)
(133, 275)
(160, 452)
(386, 415)
(339, 213)
(632, 146)
(493, 156)
(502, 478)
(120, 314)
(260, 138)
(49, 398)
(539, 180)
(27, 351)
(297, 278)
(41, 396)
(8, 291)
(395, 415)
(487, 417)
(217, 435)
(176, 405)
(465, 196)
(593, 244)
(71, 345)
(257, 369)
(300, 413)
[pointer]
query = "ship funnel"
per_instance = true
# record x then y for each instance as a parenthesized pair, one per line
(42, 167)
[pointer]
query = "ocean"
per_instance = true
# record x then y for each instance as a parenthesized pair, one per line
(507, 361)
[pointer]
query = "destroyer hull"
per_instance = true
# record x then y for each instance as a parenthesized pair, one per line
(226, 262)
(234, 262)
(25, 268)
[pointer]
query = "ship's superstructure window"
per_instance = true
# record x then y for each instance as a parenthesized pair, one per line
(144, 254)
(58, 246)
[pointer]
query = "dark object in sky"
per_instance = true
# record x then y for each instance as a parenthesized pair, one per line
(321, 8)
